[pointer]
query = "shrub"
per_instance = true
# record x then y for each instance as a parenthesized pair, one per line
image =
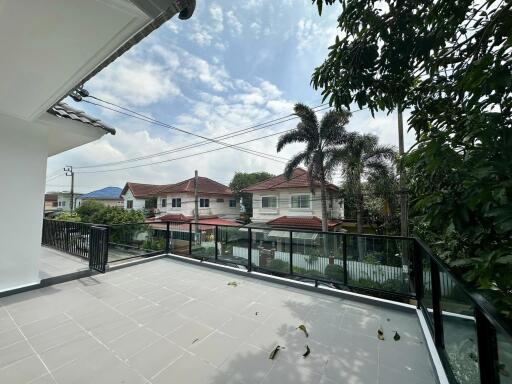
(278, 266)
(334, 272)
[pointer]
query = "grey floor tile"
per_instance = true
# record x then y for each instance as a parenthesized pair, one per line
(10, 336)
(215, 348)
(133, 342)
(45, 379)
(175, 301)
(77, 349)
(285, 373)
(56, 336)
(189, 334)
(240, 327)
(167, 323)
(155, 358)
(14, 352)
(191, 370)
(44, 325)
(352, 370)
(22, 371)
(247, 364)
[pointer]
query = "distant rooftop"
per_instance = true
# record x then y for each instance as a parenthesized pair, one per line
(298, 179)
(108, 193)
(204, 186)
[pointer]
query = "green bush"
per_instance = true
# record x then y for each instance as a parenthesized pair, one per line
(334, 272)
(278, 266)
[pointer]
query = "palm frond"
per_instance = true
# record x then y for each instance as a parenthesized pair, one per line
(294, 163)
(332, 127)
(307, 116)
(294, 136)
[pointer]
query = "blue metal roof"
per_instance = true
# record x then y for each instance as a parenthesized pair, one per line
(108, 193)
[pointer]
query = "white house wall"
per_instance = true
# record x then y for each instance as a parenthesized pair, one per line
(216, 208)
(137, 203)
(23, 154)
(284, 208)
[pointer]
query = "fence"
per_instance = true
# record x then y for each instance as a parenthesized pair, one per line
(69, 237)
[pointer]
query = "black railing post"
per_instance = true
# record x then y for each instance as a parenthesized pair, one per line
(167, 238)
(418, 272)
(488, 362)
(216, 238)
(436, 304)
(291, 253)
(107, 239)
(344, 250)
(190, 238)
(249, 250)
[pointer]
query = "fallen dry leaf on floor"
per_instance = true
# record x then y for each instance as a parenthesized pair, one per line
(380, 334)
(396, 337)
(274, 352)
(302, 327)
(233, 284)
(308, 351)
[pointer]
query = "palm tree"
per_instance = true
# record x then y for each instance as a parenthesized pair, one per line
(322, 139)
(361, 157)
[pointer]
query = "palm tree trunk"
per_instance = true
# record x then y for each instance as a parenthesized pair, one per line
(359, 218)
(325, 216)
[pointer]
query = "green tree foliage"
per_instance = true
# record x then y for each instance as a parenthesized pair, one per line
(360, 157)
(97, 213)
(322, 140)
(450, 63)
(242, 180)
(68, 216)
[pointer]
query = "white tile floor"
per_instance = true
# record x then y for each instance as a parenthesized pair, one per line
(54, 263)
(170, 322)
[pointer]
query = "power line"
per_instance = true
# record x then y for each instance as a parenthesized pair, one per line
(157, 122)
(240, 132)
(187, 156)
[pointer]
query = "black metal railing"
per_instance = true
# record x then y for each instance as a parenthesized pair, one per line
(66, 236)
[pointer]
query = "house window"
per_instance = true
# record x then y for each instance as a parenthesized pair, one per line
(301, 201)
(232, 203)
(269, 202)
(129, 204)
(63, 203)
(54, 204)
(204, 203)
(176, 202)
(164, 203)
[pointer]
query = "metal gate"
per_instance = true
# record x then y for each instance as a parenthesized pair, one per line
(98, 249)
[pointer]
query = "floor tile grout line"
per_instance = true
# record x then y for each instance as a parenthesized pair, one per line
(112, 351)
(32, 348)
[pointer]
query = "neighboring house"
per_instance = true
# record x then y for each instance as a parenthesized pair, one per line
(289, 203)
(64, 201)
(50, 203)
(109, 196)
(139, 196)
(49, 49)
(214, 200)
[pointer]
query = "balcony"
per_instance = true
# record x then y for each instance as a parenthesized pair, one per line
(215, 313)
(168, 321)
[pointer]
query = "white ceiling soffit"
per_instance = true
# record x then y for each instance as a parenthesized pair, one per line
(49, 46)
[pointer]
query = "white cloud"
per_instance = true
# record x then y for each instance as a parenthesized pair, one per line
(202, 38)
(134, 81)
(234, 24)
(217, 17)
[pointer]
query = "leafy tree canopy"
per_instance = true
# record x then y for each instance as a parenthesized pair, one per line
(243, 180)
(97, 213)
(450, 63)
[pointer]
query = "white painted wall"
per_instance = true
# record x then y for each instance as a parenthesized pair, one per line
(64, 201)
(137, 203)
(260, 214)
(23, 153)
(217, 208)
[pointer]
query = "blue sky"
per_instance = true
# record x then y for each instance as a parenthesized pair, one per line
(232, 65)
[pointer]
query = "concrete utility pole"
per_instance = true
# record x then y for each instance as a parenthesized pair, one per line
(404, 214)
(196, 203)
(69, 172)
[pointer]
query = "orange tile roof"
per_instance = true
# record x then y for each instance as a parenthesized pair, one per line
(298, 179)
